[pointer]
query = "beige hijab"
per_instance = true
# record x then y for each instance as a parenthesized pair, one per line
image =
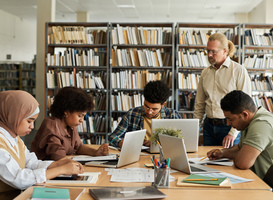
(15, 105)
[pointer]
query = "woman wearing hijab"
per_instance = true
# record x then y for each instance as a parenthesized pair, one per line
(19, 168)
(58, 136)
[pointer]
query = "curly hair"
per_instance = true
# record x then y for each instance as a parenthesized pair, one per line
(71, 99)
(156, 92)
(236, 102)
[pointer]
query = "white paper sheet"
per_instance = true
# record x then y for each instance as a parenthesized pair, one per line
(86, 158)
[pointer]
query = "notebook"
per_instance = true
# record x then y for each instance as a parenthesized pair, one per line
(129, 153)
(189, 128)
(109, 193)
(174, 148)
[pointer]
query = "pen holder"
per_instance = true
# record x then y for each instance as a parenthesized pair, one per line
(161, 177)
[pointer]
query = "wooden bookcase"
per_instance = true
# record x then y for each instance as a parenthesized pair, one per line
(191, 59)
(140, 52)
(77, 54)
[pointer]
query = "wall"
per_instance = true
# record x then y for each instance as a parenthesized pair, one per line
(257, 15)
(17, 37)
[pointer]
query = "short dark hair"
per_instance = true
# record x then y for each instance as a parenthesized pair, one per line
(237, 101)
(71, 99)
(156, 92)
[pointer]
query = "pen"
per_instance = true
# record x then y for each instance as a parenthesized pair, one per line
(207, 156)
(204, 179)
(153, 161)
(113, 139)
(168, 162)
(156, 163)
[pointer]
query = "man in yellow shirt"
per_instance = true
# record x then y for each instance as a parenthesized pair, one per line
(221, 77)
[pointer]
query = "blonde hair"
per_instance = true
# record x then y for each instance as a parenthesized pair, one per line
(224, 42)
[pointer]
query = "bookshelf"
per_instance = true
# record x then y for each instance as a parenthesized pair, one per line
(257, 57)
(18, 76)
(191, 59)
(139, 52)
(77, 55)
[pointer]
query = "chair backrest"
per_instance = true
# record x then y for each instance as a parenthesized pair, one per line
(268, 178)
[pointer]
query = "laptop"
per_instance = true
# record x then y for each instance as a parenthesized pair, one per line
(174, 148)
(129, 153)
(189, 128)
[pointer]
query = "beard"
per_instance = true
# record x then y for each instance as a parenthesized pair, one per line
(211, 60)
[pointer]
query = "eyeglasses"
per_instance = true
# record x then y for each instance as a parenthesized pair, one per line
(153, 109)
(212, 51)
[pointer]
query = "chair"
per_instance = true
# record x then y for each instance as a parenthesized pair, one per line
(268, 178)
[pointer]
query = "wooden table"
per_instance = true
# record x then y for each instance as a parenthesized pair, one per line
(255, 189)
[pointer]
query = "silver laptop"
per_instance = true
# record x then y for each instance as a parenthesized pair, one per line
(189, 128)
(130, 151)
(174, 148)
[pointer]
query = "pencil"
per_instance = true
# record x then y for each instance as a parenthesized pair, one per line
(158, 144)
(207, 156)
(113, 139)
(204, 179)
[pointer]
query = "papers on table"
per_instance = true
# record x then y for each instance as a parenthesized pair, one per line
(84, 178)
(222, 161)
(85, 158)
(132, 175)
(233, 179)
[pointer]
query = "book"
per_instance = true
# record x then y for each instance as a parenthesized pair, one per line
(40, 193)
(194, 180)
(109, 193)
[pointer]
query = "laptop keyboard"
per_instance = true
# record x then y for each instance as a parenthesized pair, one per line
(195, 169)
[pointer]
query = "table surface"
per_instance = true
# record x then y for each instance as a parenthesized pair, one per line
(249, 190)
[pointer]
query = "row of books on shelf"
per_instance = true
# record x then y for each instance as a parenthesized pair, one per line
(186, 100)
(200, 37)
(28, 74)
(76, 35)
(259, 61)
(8, 74)
(193, 37)
(76, 57)
(99, 100)
(141, 57)
(9, 66)
(192, 58)
(93, 123)
(187, 80)
(123, 101)
(86, 80)
(141, 35)
(252, 38)
(114, 123)
(11, 83)
(261, 82)
(93, 139)
(28, 83)
(129, 79)
(263, 100)
(28, 66)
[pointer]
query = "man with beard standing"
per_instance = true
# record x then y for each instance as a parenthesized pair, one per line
(220, 78)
